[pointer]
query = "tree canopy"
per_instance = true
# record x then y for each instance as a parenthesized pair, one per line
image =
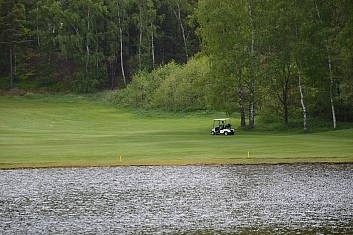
(281, 60)
(94, 44)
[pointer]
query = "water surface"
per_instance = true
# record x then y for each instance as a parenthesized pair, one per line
(255, 199)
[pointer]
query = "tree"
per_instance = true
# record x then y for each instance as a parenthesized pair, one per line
(80, 38)
(342, 45)
(116, 39)
(329, 62)
(146, 28)
(228, 33)
(120, 20)
(252, 65)
(47, 22)
(177, 6)
(13, 31)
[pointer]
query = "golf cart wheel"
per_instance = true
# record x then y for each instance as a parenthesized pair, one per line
(213, 133)
(226, 133)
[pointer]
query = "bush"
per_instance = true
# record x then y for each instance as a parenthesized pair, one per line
(183, 89)
(139, 92)
(171, 87)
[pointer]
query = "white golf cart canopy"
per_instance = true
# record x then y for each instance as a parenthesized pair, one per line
(222, 119)
(222, 126)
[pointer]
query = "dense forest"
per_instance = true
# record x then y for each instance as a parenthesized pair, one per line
(282, 60)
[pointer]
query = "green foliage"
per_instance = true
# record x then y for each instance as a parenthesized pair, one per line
(13, 34)
(254, 52)
(106, 40)
(183, 89)
(138, 92)
(170, 87)
(290, 36)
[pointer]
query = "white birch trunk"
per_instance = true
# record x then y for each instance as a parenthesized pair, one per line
(305, 124)
(252, 82)
(183, 33)
(121, 46)
(331, 95)
(152, 45)
(330, 70)
(140, 42)
(87, 44)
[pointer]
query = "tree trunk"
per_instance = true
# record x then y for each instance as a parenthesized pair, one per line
(11, 66)
(285, 107)
(87, 46)
(252, 73)
(305, 125)
(112, 73)
(285, 94)
(329, 68)
(152, 45)
(140, 40)
(37, 26)
(252, 106)
(183, 33)
(241, 98)
(331, 92)
(241, 108)
(121, 47)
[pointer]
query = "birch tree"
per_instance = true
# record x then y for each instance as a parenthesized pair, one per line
(302, 102)
(252, 66)
(147, 30)
(299, 52)
(329, 62)
(177, 30)
(176, 5)
(80, 38)
(225, 38)
(119, 8)
(48, 21)
(116, 41)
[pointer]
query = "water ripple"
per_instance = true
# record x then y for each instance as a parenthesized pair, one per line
(280, 199)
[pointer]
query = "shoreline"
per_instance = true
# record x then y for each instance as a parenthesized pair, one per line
(176, 165)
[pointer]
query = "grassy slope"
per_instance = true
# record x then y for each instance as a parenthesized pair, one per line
(53, 132)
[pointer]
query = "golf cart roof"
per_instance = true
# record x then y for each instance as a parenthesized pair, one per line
(222, 119)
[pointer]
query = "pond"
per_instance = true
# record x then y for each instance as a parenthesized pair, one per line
(250, 199)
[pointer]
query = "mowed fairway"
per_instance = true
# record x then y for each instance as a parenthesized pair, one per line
(70, 132)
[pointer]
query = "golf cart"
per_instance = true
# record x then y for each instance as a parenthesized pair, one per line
(222, 126)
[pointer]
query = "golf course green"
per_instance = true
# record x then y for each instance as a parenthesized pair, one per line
(73, 131)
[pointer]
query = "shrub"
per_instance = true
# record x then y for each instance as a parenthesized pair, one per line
(170, 87)
(183, 89)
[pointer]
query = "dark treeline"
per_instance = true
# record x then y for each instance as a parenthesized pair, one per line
(88, 44)
(279, 59)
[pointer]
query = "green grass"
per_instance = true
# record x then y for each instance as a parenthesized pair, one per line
(73, 130)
